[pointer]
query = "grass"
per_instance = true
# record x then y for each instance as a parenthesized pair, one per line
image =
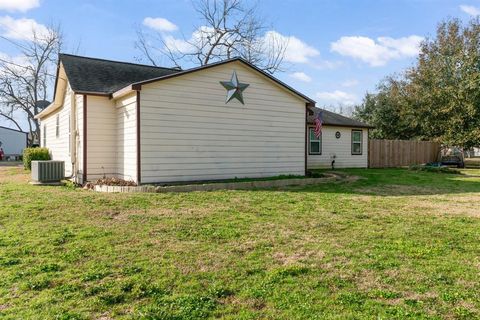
(311, 174)
(396, 244)
(472, 162)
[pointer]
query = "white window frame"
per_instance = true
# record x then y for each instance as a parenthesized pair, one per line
(357, 142)
(310, 140)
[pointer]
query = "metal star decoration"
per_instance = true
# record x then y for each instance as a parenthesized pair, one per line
(234, 88)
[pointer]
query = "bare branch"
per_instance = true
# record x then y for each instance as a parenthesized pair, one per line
(25, 82)
(228, 29)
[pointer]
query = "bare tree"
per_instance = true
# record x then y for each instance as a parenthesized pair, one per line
(25, 80)
(229, 29)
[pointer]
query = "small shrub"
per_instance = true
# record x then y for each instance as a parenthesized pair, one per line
(32, 154)
(434, 169)
(113, 181)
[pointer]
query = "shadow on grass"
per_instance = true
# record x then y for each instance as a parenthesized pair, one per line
(396, 182)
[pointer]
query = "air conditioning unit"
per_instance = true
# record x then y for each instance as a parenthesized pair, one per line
(48, 172)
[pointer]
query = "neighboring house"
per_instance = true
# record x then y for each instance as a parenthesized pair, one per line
(159, 125)
(343, 140)
(12, 142)
(473, 152)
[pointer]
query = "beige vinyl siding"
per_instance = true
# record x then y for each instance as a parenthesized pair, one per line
(342, 148)
(101, 137)
(189, 133)
(58, 146)
(126, 113)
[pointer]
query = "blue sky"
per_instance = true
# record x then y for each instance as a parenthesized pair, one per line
(339, 49)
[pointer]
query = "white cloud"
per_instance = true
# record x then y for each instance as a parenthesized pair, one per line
(202, 35)
(297, 51)
(21, 29)
(18, 5)
(471, 10)
(377, 53)
(325, 64)
(302, 76)
(177, 45)
(336, 97)
(350, 83)
(159, 24)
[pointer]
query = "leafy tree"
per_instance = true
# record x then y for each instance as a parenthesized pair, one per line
(445, 85)
(439, 97)
(386, 111)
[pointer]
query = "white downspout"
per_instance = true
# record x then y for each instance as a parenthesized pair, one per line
(73, 134)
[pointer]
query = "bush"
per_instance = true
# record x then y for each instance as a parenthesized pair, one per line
(435, 169)
(31, 154)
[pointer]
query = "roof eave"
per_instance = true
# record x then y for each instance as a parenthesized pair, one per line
(366, 126)
(45, 112)
(122, 92)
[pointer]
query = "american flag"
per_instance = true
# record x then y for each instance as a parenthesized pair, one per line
(318, 125)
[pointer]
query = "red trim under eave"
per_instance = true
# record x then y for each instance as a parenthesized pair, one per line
(84, 138)
(139, 167)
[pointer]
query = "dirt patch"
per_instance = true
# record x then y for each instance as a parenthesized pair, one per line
(397, 190)
(413, 296)
(301, 256)
(15, 174)
(441, 205)
(251, 303)
(368, 280)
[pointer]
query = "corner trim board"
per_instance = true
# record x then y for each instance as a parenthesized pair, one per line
(306, 136)
(84, 138)
(139, 165)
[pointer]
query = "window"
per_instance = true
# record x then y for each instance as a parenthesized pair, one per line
(315, 145)
(44, 144)
(57, 127)
(357, 142)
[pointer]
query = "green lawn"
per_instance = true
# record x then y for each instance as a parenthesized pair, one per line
(396, 244)
(472, 162)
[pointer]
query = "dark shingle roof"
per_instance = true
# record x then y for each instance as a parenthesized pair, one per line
(42, 104)
(334, 119)
(91, 75)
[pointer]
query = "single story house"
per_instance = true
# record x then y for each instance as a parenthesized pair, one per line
(343, 140)
(12, 142)
(159, 125)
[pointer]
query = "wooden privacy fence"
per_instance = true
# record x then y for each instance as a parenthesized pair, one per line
(400, 153)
